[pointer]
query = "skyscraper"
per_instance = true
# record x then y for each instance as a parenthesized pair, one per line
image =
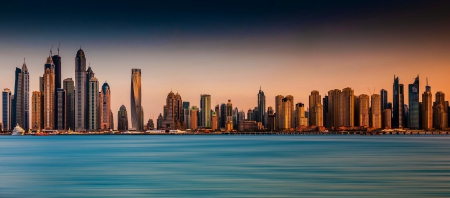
(93, 95)
(384, 99)
(348, 103)
(375, 112)
(80, 91)
(174, 110)
(36, 111)
(261, 107)
(398, 101)
(205, 107)
(335, 114)
(69, 87)
(440, 107)
(427, 109)
(271, 122)
(325, 115)
(20, 106)
(105, 107)
(187, 117)
(60, 110)
(287, 113)
(300, 118)
(49, 94)
(194, 118)
(122, 119)
(278, 110)
(223, 115)
(214, 124)
(136, 108)
(6, 109)
(229, 120)
(413, 97)
(363, 110)
(314, 99)
(250, 115)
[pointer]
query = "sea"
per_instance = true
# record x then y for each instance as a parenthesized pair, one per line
(225, 166)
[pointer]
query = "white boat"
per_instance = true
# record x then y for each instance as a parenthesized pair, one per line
(18, 130)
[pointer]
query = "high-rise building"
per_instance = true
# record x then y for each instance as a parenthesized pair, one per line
(300, 119)
(6, 110)
(335, 110)
(159, 122)
(174, 110)
(68, 86)
(80, 91)
(440, 107)
(185, 105)
(214, 124)
(229, 119)
(36, 110)
(194, 118)
(93, 95)
(363, 110)
(235, 117)
(348, 103)
(187, 117)
(384, 99)
(20, 105)
(325, 115)
(49, 94)
(287, 111)
(314, 99)
(223, 115)
(413, 99)
(60, 110)
(250, 115)
(271, 119)
(398, 101)
(105, 107)
(375, 112)
(112, 120)
(122, 119)
(278, 110)
(261, 107)
(205, 107)
(241, 116)
(427, 110)
(136, 108)
(387, 118)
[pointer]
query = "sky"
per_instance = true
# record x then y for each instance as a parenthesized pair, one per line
(229, 49)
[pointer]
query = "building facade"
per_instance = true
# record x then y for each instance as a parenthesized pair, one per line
(93, 95)
(49, 95)
(205, 107)
(105, 107)
(136, 99)
(427, 110)
(174, 112)
(261, 107)
(122, 119)
(413, 99)
(60, 110)
(80, 91)
(69, 87)
(6, 109)
(375, 111)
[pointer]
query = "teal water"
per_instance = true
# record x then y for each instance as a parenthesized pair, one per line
(225, 166)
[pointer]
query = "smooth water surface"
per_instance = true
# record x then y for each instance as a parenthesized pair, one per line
(224, 166)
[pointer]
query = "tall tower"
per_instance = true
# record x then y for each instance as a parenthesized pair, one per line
(205, 107)
(398, 101)
(60, 110)
(375, 113)
(413, 99)
(49, 94)
(172, 119)
(384, 99)
(194, 118)
(93, 104)
(314, 99)
(105, 107)
(136, 98)
(440, 110)
(26, 96)
(80, 92)
(278, 111)
(69, 87)
(348, 106)
(36, 111)
(261, 107)
(287, 112)
(427, 109)
(363, 110)
(229, 119)
(335, 114)
(21, 102)
(6, 109)
(122, 119)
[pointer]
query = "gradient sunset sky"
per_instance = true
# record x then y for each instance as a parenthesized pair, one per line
(228, 49)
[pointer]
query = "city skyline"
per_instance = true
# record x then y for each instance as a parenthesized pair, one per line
(276, 49)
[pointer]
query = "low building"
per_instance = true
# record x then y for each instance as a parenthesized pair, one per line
(250, 126)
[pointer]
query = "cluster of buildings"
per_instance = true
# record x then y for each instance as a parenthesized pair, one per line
(82, 105)
(337, 110)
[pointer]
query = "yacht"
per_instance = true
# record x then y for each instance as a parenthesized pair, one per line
(18, 130)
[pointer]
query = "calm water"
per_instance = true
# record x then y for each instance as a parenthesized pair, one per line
(225, 166)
